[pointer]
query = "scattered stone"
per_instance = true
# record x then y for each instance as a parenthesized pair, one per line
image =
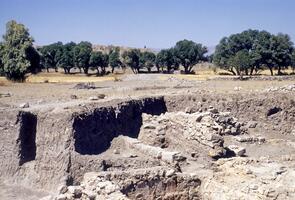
(251, 124)
(159, 155)
(41, 101)
(76, 191)
(238, 151)
(213, 110)
(62, 189)
(24, 105)
(5, 95)
(170, 172)
(133, 156)
(217, 153)
(93, 98)
(116, 151)
(285, 88)
(73, 96)
(62, 197)
(88, 86)
(250, 139)
(101, 96)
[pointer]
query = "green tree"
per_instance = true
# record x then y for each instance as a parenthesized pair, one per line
(165, 58)
(131, 59)
(293, 61)
(82, 53)
(264, 50)
(1, 58)
(241, 62)
(49, 55)
(147, 60)
(282, 51)
(114, 59)
(99, 60)
(65, 57)
(17, 41)
(34, 57)
(189, 53)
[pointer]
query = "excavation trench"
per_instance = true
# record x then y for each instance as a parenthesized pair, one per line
(47, 148)
(93, 132)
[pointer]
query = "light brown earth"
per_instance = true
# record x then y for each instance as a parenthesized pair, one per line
(124, 153)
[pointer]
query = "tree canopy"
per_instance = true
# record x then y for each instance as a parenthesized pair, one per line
(65, 57)
(81, 55)
(99, 60)
(131, 59)
(189, 53)
(17, 51)
(166, 58)
(114, 59)
(147, 60)
(263, 50)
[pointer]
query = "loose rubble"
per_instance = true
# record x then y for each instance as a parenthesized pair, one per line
(285, 88)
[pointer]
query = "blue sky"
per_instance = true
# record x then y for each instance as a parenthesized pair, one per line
(154, 23)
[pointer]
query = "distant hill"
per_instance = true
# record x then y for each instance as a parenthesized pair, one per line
(107, 48)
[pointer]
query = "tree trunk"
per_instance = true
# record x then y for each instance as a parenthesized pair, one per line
(97, 71)
(251, 71)
(190, 68)
(271, 71)
(279, 70)
(85, 70)
(232, 71)
(246, 72)
(56, 69)
(185, 69)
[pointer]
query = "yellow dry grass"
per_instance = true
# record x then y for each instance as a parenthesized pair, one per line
(203, 72)
(67, 78)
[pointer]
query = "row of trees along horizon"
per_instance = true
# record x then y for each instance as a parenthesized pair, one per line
(245, 53)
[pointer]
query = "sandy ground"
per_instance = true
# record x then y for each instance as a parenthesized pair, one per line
(127, 86)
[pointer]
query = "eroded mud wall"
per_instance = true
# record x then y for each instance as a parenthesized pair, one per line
(93, 131)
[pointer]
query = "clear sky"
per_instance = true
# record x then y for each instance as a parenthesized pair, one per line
(154, 23)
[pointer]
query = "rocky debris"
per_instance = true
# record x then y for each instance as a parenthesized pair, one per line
(217, 152)
(237, 88)
(95, 98)
(250, 139)
(5, 95)
(285, 88)
(101, 96)
(248, 178)
(116, 151)
(62, 189)
(251, 124)
(155, 152)
(206, 128)
(24, 105)
(237, 150)
(73, 96)
(87, 86)
(151, 183)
